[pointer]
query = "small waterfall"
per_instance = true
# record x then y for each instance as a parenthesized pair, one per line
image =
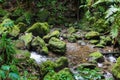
(38, 58)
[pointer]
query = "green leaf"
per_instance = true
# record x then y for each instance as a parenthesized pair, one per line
(114, 31)
(5, 67)
(14, 76)
(2, 74)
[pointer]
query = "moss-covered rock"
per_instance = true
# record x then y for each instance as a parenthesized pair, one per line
(39, 45)
(71, 38)
(94, 41)
(92, 35)
(39, 29)
(57, 45)
(64, 74)
(22, 27)
(116, 69)
(26, 38)
(61, 62)
(19, 44)
(8, 26)
(96, 56)
(71, 30)
(55, 33)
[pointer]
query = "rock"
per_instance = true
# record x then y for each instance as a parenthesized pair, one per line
(39, 45)
(39, 29)
(55, 33)
(96, 57)
(61, 63)
(94, 41)
(26, 38)
(19, 44)
(80, 42)
(22, 55)
(87, 65)
(71, 30)
(57, 45)
(92, 35)
(71, 38)
(8, 26)
(22, 27)
(59, 75)
(78, 36)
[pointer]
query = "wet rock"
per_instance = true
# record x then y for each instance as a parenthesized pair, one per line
(116, 69)
(39, 45)
(39, 29)
(92, 35)
(52, 34)
(96, 57)
(80, 42)
(57, 45)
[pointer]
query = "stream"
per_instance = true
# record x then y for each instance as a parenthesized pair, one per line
(77, 58)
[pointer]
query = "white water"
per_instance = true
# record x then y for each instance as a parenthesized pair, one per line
(112, 59)
(38, 58)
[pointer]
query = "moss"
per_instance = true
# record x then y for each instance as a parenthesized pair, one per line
(116, 69)
(92, 35)
(94, 41)
(22, 27)
(55, 33)
(71, 38)
(57, 45)
(39, 29)
(15, 31)
(96, 55)
(71, 30)
(26, 38)
(38, 43)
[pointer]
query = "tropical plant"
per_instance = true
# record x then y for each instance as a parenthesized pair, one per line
(7, 49)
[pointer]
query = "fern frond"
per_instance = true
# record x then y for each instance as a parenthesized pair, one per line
(114, 31)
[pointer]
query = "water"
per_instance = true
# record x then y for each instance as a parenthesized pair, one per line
(100, 64)
(108, 76)
(112, 59)
(39, 58)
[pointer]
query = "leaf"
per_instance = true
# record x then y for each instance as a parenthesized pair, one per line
(14, 76)
(114, 31)
(5, 67)
(2, 74)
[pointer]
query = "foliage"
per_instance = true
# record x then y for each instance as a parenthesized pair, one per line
(7, 49)
(89, 74)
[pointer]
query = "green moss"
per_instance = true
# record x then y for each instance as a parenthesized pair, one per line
(71, 38)
(26, 38)
(39, 29)
(71, 30)
(39, 43)
(116, 69)
(94, 41)
(52, 34)
(57, 45)
(96, 55)
(22, 27)
(92, 35)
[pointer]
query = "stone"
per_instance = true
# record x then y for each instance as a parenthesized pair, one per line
(19, 44)
(96, 57)
(27, 38)
(39, 45)
(55, 33)
(57, 45)
(39, 29)
(71, 38)
(71, 30)
(92, 35)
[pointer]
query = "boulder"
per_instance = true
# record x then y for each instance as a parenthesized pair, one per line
(39, 45)
(71, 30)
(39, 29)
(92, 35)
(57, 45)
(71, 38)
(116, 69)
(96, 57)
(26, 38)
(55, 33)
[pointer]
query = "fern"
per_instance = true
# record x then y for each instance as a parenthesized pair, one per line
(114, 31)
